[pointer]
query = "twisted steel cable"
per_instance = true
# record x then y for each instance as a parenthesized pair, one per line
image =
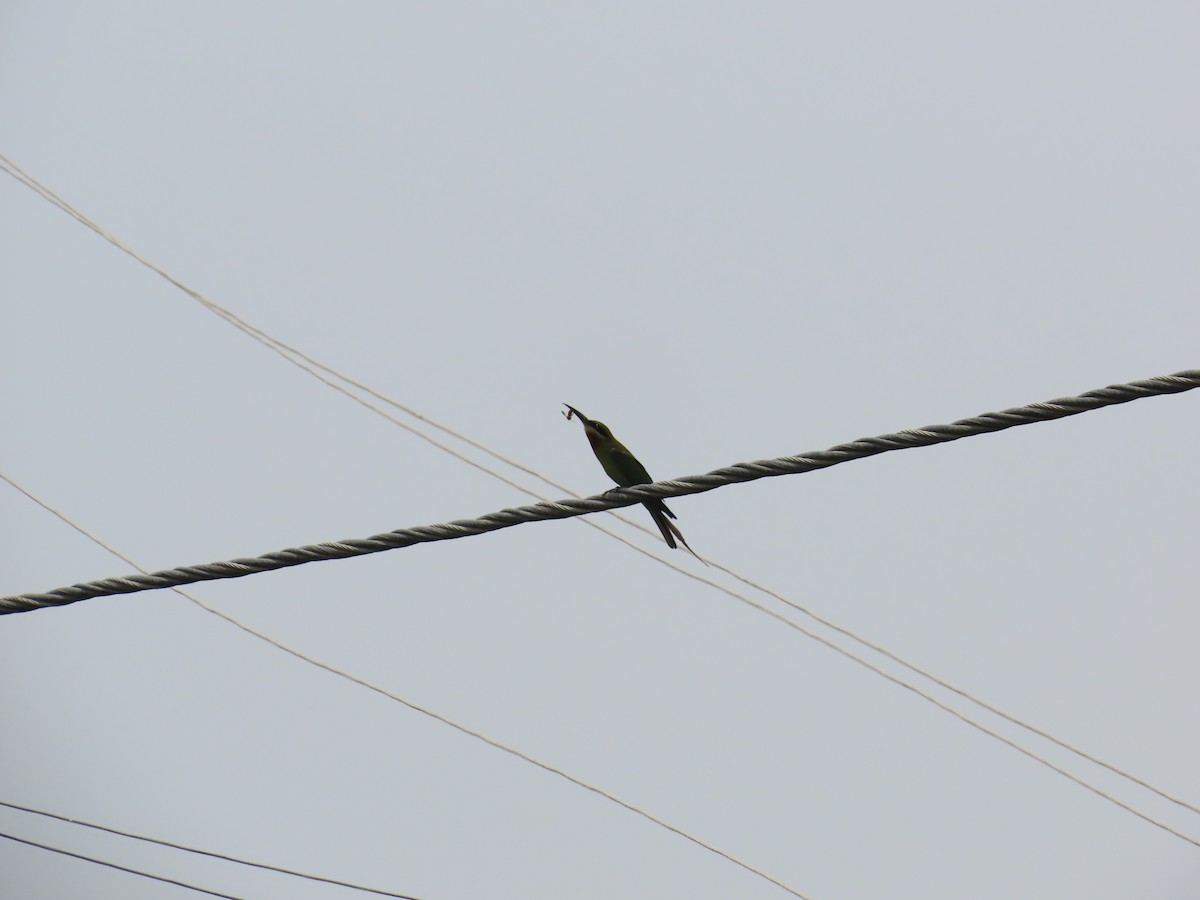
(614, 499)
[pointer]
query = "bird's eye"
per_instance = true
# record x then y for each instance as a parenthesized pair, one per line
(602, 428)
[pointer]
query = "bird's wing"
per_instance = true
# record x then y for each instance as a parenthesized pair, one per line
(626, 465)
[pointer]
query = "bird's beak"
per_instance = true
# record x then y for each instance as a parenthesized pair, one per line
(574, 412)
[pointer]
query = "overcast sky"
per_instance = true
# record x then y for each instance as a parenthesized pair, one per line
(730, 231)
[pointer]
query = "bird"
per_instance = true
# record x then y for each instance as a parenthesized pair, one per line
(625, 469)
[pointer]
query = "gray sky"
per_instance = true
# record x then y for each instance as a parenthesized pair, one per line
(731, 231)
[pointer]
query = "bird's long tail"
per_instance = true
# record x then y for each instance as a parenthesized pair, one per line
(670, 531)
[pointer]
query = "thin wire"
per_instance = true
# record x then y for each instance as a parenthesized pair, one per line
(110, 865)
(307, 363)
(209, 853)
(416, 707)
(618, 497)
(284, 350)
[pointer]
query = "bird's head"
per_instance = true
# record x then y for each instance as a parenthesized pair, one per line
(595, 431)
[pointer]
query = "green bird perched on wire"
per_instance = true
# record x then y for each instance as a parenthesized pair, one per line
(623, 468)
